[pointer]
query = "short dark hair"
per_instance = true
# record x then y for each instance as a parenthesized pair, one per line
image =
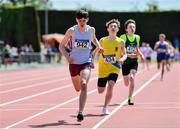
(113, 21)
(128, 22)
(82, 13)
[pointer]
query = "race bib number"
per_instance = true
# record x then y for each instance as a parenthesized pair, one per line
(109, 59)
(162, 50)
(131, 49)
(81, 43)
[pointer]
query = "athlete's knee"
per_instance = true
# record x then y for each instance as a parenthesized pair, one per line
(111, 84)
(133, 72)
(131, 80)
(83, 86)
(77, 89)
(83, 81)
(132, 76)
(101, 90)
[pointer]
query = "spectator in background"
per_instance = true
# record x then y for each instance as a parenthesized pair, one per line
(43, 52)
(147, 55)
(31, 50)
(49, 53)
(31, 53)
(143, 51)
(176, 43)
(6, 54)
(14, 55)
(26, 49)
(54, 53)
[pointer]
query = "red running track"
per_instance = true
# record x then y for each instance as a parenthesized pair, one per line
(49, 101)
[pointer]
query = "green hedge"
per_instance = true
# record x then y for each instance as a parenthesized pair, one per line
(20, 26)
(149, 25)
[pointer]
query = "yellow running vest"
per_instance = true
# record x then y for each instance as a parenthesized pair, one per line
(112, 51)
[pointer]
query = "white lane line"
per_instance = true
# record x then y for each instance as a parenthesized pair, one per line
(35, 95)
(41, 93)
(47, 110)
(125, 101)
(29, 75)
(34, 85)
(29, 79)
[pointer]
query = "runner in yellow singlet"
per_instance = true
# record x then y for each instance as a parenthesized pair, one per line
(109, 61)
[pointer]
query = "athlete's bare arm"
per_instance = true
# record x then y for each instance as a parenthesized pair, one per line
(96, 51)
(123, 55)
(95, 41)
(63, 43)
(140, 54)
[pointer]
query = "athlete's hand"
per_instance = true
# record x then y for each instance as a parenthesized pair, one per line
(100, 49)
(132, 55)
(70, 60)
(92, 65)
(120, 61)
(142, 57)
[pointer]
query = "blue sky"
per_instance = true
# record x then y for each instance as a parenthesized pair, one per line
(114, 5)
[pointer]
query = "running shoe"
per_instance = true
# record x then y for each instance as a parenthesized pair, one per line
(105, 111)
(80, 117)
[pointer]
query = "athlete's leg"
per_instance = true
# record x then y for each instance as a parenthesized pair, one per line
(74, 71)
(171, 61)
(147, 63)
(143, 64)
(102, 84)
(101, 89)
(168, 65)
(131, 86)
(76, 82)
(84, 77)
(126, 80)
(133, 71)
(158, 64)
(159, 59)
(126, 71)
(109, 93)
(162, 72)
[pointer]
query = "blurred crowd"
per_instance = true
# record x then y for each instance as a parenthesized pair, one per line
(49, 53)
(26, 54)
